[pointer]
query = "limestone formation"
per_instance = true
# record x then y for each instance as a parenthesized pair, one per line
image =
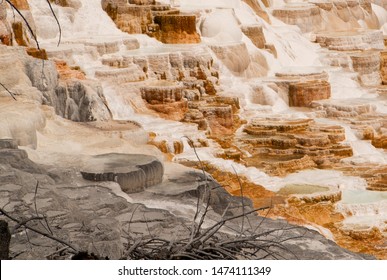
(36, 53)
(93, 218)
(310, 193)
(79, 100)
(132, 172)
(326, 15)
(21, 4)
(282, 146)
(380, 3)
(299, 87)
(148, 17)
(17, 27)
(307, 16)
(176, 29)
(380, 182)
(67, 72)
(315, 106)
(367, 65)
(255, 33)
(235, 56)
(351, 40)
(258, 9)
(302, 94)
(194, 66)
(129, 18)
(20, 121)
(120, 129)
(383, 67)
(68, 3)
(5, 30)
(166, 99)
(220, 118)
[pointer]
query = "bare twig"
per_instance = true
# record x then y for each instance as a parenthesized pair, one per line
(22, 223)
(38, 231)
(26, 22)
(45, 226)
(211, 242)
(10, 92)
(57, 21)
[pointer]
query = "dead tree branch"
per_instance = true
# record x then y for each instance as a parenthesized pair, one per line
(47, 235)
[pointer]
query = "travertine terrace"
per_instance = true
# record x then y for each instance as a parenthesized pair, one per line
(282, 101)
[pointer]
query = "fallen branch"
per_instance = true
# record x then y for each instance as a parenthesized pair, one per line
(25, 225)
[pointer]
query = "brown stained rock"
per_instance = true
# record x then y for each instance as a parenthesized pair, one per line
(171, 111)
(342, 10)
(21, 4)
(324, 5)
(5, 30)
(255, 34)
(18, 32)
(34, 52)
(383, 67)
(162, 93)
(169, 149)
(281, 147)
(380, 141)
(364, 234)
(142, 2)
(66, 72)
(302, 94)
(271, 48)
(166, 99)
(176, 29)
(258, 10)
(5, 33)
(129, 18)
(367, 64)
(366, 5)
(220, 118)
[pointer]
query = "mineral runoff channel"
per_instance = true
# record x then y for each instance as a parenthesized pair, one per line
(221, 269)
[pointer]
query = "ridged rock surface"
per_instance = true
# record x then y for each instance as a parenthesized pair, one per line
(159, 21)
(302, 94)
(351, 41)
(326, 15)
(255, 33)
(383, 67)
(165, 98)
(367, 65)
(280, 146)
(176, 29)
(307, 17)
(129, 18)
(133, 172)
(235, 56)
(258, 9)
